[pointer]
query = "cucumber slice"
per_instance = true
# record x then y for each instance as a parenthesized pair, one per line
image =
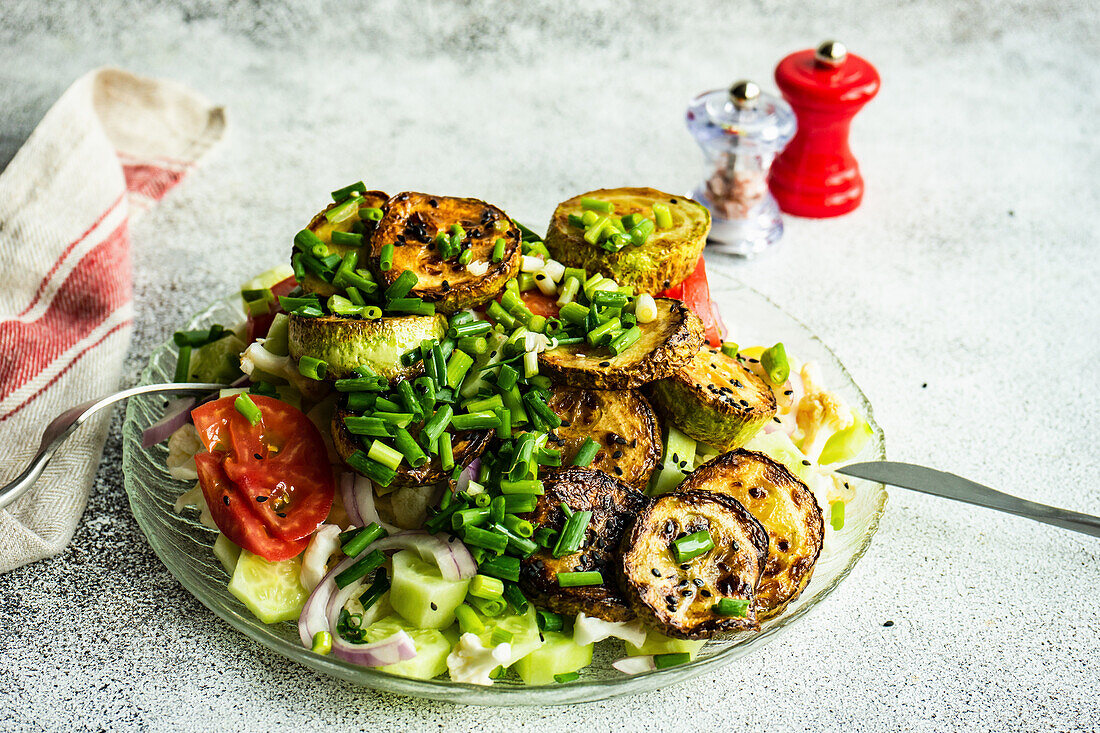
(432, 648)
(268, 278)
(779, 448)
(420, 594)
(523, 628)
(227, 553)
(658, 643)
(219, 361)
(278, 335)
(557, 655)
(270, 590)
(679, 449)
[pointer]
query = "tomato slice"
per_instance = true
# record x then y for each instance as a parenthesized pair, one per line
(541, 305)
(229, 508)
(258, 325)
(280, 465)
(695, 292)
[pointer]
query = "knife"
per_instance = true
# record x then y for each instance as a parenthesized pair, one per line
(950, 486)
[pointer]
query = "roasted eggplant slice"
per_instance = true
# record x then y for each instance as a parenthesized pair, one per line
(680, 598)
(667, 344)
(324, 228)
(613, 505)
(620, 421)
(347, 343)
(467, 445)
(411, 223)
(786, 508)
(715, 399)
(667, 257)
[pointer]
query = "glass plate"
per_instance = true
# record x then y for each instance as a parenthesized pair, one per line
(184, 545)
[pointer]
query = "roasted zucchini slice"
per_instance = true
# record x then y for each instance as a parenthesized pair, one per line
(679, 598)
(715, 399)
(620, 421)
(786, 508)
(346, 343)
(669, 255)
(466, 445)
(667, 344)
(323, 228)
(411, 222)
(613, 505)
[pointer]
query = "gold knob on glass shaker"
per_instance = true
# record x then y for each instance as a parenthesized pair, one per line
(831, 53)
(744, 94)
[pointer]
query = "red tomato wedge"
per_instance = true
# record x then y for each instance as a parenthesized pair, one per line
(231, 513)
(695, 292)
(278, 468)
(541, 305)
(258, 325)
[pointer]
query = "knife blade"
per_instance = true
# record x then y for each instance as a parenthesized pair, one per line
(950, 486)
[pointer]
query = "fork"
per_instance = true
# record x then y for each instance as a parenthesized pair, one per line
(67, 422)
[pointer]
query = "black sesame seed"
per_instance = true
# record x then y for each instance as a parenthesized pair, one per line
(605, 363)
(617, 454)
(434, 607)
(698, 582)
(433, 203)
(540, 276)
(565, 423)
(281, 515)
(618, 471)
(226, 500)
(789, 392)
(924, 386)
(705, 593)
(261, 499)
(805, 463)
(444, 286)
(257, 456)
(888, 624)
(686, 592)
(685, 566)
(656, 572)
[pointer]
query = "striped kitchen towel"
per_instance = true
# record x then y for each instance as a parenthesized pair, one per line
(112, 146)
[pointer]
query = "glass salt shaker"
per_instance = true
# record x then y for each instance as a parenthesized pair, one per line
(740, 130)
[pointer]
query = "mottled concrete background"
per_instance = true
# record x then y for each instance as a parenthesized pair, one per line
(971, 268)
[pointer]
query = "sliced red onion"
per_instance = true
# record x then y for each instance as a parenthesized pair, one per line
(175, 417)
(364, 504)
(393, 649)
(467, 475)
(633, 665)
(314, 616)
(453, 559)
(347, 496)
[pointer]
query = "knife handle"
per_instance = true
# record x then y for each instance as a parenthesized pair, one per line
(950, 486)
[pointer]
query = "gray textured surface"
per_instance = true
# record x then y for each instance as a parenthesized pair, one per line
(971, 267)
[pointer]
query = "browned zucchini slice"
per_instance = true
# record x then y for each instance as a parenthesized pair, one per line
(666, 345)
(786, 508)
(620, 421)
(613, 504)
(410, 223)
(669, 256)
(715, 399)
(467, 445)
(679, 598)
(323, 228)
(347, 343)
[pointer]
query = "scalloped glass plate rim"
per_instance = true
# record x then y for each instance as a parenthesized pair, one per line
(582, 690)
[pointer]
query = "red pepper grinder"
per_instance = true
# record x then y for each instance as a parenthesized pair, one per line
(816, 175)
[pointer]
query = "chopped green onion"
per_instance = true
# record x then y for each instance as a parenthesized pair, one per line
(484, 538)
(731, 607)
(595, 232)
(573, 313)
(362, 384)
(342, 194)
(457, 367)
(473, 517)
(499, 315)
(247, 407)
(586, 453)
(183, 366)
(563, 677)
(597, 205)
(476, 421)
(384, 454)
(836, 515)
(520, 503)
(484, 586)
(672, 659)
(343, 211)
(468, 622)
(313, 368)
(504, 567)
(501, 635)
(372, 312)
(407, 445)
(488, 606)
(573, 580)
(472, 328)
(370, 213)
(306, 240)
(625, 340)
(546, 537)
(401, 287)
(347, 239)
(572, 534)
(662, 215)
(692, 546)
(446, 452)
(526, 486)
(373, 470)
(322, 642)
(367, 564)
(498, 250)
(370, 426)
(729, 348)
(536, 405)
(364, 538)
(515, 598)
(518, 526)
(518, 545)
(639, 235)
(498, 507)
(597, 335)
(548, 620)
(386, 258)
(775, 363)
(473, 345)
(413, 306)
(377, 589)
